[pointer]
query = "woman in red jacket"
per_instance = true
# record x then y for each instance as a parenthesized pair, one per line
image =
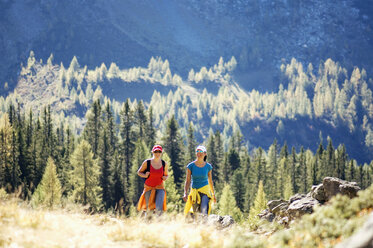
(155, 170)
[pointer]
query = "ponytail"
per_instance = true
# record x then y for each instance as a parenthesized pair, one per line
(205, 158)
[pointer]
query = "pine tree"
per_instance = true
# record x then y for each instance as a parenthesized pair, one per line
(260, 202)
(140, 121)
(93, 127)
(212, 158)
(48, 192)
(341, 161)
(174, 203)
(136, 183)
(173, 146)
(233, 161)
(238, 188)
(5, 148)
(219, 148)
(15, 171)
(118, 184)
(191, 145)
(293, 170)
(288, 189)
(227, 204)
(128, 141)
(150, 130)
(106, 180)
(272, 167)
(85, 176)
(248, 177)
(106, 151)
(259, 166)
(304, 172)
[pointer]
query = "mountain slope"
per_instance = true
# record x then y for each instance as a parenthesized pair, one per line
(308, 109)
(190, 34)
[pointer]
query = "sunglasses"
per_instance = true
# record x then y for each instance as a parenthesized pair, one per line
(200, 151)
(158, 151)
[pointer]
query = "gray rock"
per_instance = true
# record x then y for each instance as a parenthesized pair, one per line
(227, 221)
(334, 186)
(300, 207)
(281, 209)
(318, 193)
(274, 203)
(220, 221)
(363, 238)
(266, 215)
(296, 197)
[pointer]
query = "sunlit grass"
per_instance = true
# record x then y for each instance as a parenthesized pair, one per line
(71, 226)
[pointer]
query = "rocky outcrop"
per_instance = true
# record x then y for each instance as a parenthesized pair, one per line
(300, 204)
(220, 221)
(333, 186)
(363, 238)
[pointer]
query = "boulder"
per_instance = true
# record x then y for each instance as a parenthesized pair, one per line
(281, 209)
(267, 215)
(333, 186)
(318, 193)
(363, 238)
(227, 221)
(300, 207)
(296, 197)
(274, 203)
(220, 221)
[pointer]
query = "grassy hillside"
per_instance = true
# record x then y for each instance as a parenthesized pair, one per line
(69, 226)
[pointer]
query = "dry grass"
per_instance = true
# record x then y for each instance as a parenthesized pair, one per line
(22, 226)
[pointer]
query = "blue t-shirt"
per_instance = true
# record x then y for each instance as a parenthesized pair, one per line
(199, 174)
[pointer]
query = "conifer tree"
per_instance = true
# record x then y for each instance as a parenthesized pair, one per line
(191, 144)
(259, 166)
(118, 183)
(329, 156)
(341, 161)
(238, 188)
(93, 127)
(248, 176)
(293, 170)
(260, 202)
(128, 140)
(212, 158)
(174, 202)
(85, 176)
(304, 172)
(48, 192)
(173, 146)
(140, 120)
(106, 180)
(15, 171)
(227, 204)
(233, 161)
(5, 148)
(288, 189)
(150, 130)
(136, 183)
(107, 146)
(272, 166)
(219, 148)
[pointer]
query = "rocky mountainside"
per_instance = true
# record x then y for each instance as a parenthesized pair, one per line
(190, 34)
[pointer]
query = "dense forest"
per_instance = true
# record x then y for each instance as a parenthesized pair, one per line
(310, 104)
(98, 167)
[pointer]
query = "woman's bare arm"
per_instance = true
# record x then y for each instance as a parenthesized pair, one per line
(140, 171)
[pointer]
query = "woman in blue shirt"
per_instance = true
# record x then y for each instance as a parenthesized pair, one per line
(199, 176)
